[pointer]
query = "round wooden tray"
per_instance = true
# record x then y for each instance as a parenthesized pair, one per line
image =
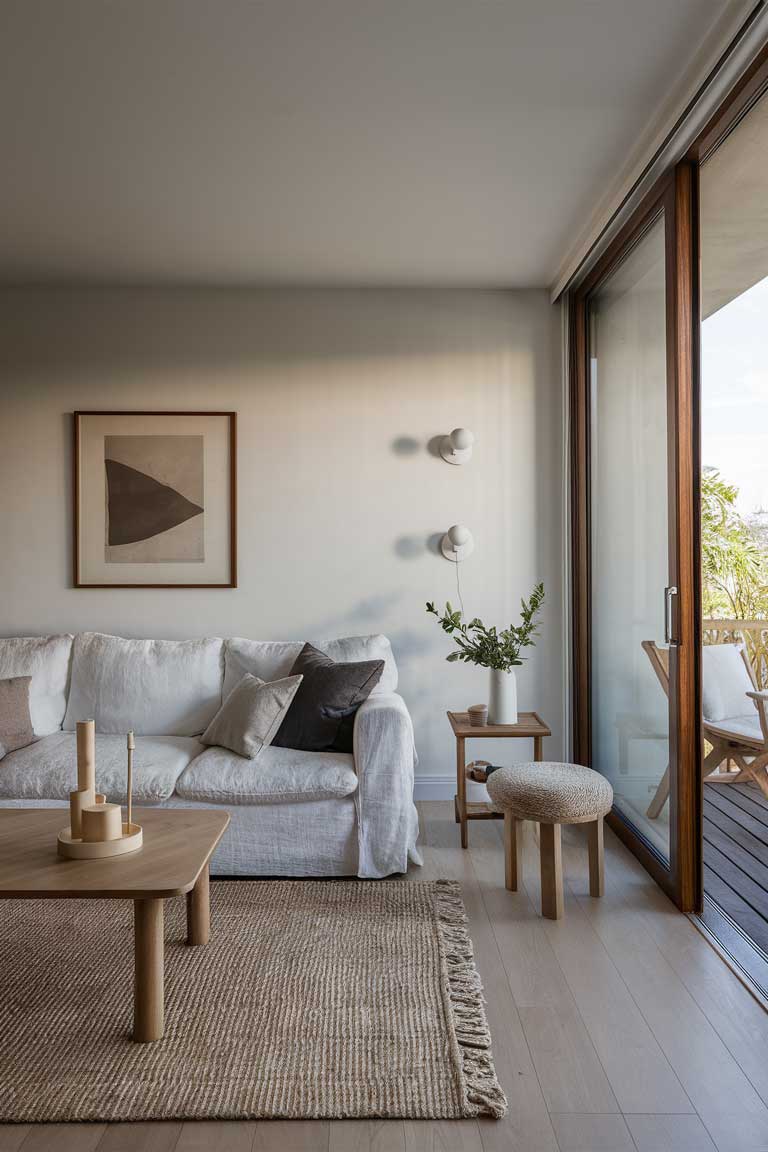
(130, 841)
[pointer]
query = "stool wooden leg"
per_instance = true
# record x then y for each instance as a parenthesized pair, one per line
(513, 852)
(551, 852)
(596, 858)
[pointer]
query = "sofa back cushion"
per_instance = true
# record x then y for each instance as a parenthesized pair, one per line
(153, 687)
(273, 659)
(46, 660)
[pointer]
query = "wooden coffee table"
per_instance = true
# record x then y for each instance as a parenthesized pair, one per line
(173, 861)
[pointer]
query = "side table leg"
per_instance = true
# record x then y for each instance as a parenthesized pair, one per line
(199, 910)
(461, 788)
(537, 748)
(148, 980)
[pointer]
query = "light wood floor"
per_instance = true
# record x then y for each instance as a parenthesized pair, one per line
(617, 1028)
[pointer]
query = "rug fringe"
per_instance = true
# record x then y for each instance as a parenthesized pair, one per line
(484, 1094)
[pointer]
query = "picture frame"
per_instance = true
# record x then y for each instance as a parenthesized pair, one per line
(154, 499)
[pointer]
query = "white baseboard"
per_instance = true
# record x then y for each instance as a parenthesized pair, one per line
(434, 787)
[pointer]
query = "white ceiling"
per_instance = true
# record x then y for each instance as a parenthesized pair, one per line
(320, 141)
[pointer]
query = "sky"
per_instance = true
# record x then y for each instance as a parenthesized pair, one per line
(734, 373)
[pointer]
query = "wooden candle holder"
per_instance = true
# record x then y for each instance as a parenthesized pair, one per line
(96, 830)
(76, 849)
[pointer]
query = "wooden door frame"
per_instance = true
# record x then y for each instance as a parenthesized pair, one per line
(676, 197)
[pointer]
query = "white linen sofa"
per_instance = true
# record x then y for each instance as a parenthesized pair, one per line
(292, 813)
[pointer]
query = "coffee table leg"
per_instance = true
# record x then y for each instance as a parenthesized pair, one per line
(199, 910)
(148, 981)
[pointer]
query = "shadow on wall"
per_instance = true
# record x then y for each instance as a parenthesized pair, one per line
(412, 547)
(409, 647)
(406, 446)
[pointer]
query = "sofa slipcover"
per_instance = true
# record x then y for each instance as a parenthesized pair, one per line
(318, 838)
(276, 776)
(47, 769)
(152, 687)
(273, 659)
(367, 826)
(46, 660)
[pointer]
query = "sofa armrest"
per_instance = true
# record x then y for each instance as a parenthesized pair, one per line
(384, 761)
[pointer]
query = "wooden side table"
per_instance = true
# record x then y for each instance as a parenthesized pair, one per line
(529, 726)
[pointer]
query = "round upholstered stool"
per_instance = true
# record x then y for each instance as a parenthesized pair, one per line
(552, 794)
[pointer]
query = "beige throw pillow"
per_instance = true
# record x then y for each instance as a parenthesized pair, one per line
(251, 715)
(15, 723)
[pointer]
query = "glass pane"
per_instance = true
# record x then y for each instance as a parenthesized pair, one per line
(630, 717)
(734, 529)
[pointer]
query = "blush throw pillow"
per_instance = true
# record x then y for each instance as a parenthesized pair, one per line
(251, 715)
(15, 722)
(322, 715)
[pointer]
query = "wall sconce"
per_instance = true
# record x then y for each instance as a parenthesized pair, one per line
(457, 448)
(457, 544)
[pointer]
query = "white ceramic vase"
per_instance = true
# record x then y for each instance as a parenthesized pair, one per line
(502, 702)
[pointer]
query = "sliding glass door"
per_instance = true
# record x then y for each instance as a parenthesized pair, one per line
(631, 594)
(734, 401)
(634, 539)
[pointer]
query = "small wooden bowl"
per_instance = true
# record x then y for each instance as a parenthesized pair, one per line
(478, 715)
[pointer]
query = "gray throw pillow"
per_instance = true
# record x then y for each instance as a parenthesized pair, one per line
(15, 723)
(251, 715)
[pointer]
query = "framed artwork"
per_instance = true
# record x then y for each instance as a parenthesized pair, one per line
(155, 500)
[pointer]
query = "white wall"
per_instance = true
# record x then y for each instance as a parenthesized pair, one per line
(339, 396)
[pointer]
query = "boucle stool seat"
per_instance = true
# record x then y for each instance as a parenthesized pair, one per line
(552, 794)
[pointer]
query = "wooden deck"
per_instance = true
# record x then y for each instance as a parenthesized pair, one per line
(736, 856)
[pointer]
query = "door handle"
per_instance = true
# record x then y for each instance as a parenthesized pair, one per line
(668, 594)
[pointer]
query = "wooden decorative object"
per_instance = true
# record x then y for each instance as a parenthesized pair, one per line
(96, 829)
(102, 822)
(129, 789)
(76, 849)
(77, 801)
(478, 715)
(86, 755)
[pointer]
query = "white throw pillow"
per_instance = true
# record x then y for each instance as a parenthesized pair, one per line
(725, 682)
(273, 659)
(251, 715)
(153, 687)
(46, 660)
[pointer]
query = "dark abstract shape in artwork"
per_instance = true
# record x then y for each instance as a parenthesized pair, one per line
(140, 507)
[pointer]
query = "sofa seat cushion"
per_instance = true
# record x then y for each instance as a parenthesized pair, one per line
(278, 776)
(48, 768)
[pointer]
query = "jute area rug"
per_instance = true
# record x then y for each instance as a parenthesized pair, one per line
(313, 999)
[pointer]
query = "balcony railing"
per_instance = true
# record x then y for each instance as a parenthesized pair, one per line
(754, 634)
